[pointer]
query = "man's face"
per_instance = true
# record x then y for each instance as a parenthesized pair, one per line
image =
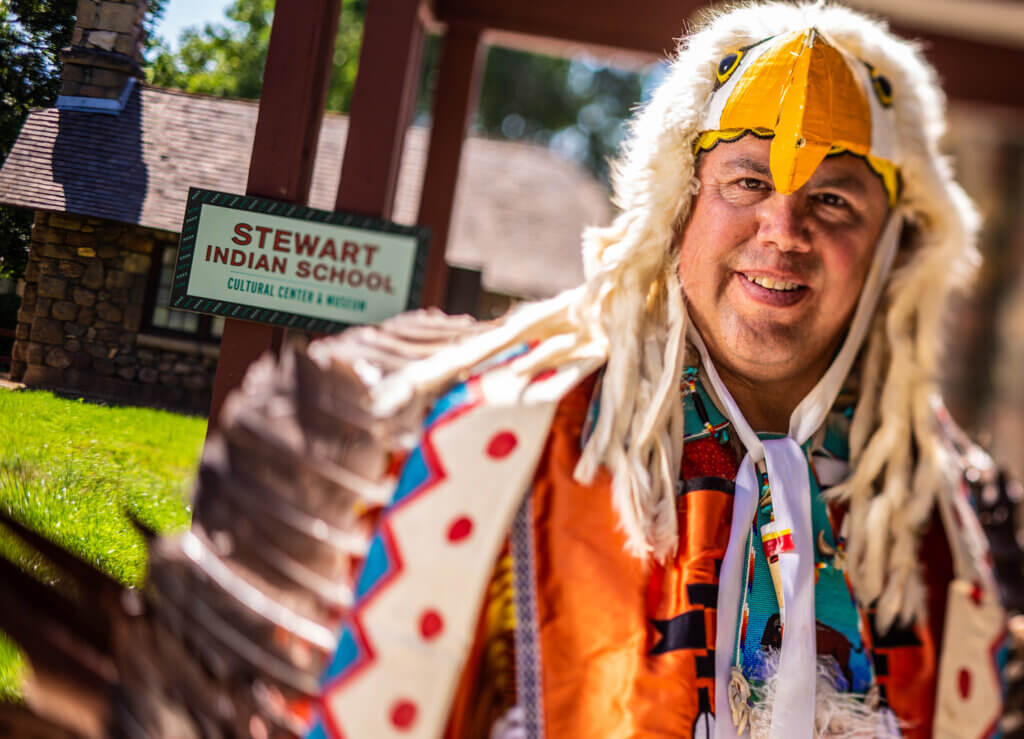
(772, 280)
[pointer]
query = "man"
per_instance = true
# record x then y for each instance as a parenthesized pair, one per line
(709, 474)
(710, 492)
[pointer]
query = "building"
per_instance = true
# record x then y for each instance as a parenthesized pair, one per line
(107, 172)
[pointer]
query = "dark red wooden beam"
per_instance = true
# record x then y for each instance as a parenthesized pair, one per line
(382, 105)
(643, 25)
(299, 61)
(972, 71)
(455, 100)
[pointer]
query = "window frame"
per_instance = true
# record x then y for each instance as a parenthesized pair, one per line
(204, 329)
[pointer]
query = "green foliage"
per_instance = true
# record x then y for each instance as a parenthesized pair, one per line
(32, 32)
(228, 59)
(15, 229)
(346, 55)
(154, 14)
(220, 59)
(575, 106)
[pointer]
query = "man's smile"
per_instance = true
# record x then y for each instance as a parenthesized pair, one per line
(770, 290)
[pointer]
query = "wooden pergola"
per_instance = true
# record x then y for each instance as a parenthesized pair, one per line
(299, 64)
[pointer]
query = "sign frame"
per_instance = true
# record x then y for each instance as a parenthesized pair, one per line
(180, 299)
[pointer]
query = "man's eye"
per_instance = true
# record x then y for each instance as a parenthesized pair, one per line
(752, 183)
(832, 200)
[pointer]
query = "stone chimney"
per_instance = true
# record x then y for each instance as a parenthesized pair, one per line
(105, 57)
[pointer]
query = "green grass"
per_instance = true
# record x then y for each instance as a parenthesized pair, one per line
(71, 469)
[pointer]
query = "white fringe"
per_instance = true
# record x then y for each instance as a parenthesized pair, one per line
(837, 714)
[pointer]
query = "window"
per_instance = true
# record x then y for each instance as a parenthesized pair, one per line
(164, 320)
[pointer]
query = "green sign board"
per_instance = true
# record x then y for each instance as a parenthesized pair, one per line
(263, 260)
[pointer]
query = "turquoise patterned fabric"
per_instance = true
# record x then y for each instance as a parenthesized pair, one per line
(841, 624)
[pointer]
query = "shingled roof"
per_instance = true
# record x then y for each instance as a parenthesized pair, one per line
(518, 213)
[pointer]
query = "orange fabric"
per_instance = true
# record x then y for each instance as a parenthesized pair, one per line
(913, 671)
(597, 603)
(910, 685)
(605, 669)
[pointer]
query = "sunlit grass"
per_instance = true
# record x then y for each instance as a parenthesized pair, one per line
(11, 666)
(70, 470)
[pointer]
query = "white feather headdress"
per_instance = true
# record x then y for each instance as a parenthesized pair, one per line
(631, 304)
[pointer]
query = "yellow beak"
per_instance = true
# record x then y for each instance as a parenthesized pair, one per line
(804, 90)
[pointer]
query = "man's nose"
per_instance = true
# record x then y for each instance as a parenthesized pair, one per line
(783, 223)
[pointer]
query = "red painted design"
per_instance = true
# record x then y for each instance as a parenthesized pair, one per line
(963, 680)
(501, 444)
(403, 714)
(431, 624)
(460, 528)
(396, 460)
(707, 458)
(437, 474)
(976, 593)
(544, 375)
(776, 545)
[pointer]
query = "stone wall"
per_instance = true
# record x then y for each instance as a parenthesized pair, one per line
(82, 309)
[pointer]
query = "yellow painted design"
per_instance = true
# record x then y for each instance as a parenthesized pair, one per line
(727, 66)
(756, 98)
(802, 89)
(803, 93)
(773, 535)
(881, 86)
(710, 139)
(886, 170)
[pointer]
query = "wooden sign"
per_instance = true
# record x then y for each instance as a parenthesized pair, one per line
(261, 260)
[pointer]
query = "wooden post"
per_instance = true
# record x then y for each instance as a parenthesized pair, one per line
(382, 105)
(455, 101)
(292, 101)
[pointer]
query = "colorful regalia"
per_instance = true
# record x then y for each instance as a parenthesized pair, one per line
(567, 634)
(570, 557)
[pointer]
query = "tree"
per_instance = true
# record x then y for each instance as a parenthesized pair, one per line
(228, 59)
(32, 33)
(574, 106)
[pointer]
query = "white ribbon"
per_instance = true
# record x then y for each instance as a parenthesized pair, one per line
(789, 479)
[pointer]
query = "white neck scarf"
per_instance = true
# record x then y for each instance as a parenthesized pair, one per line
(788, 477)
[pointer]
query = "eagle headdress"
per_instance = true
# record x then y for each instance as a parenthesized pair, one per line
(632, 310)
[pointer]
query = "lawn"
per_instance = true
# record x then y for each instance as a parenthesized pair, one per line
(71, 469)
